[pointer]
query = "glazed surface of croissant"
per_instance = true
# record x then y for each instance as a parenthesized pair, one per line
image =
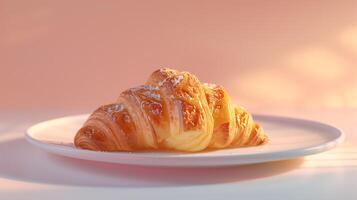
(172, 111)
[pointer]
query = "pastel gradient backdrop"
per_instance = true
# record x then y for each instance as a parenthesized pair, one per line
(81, 53)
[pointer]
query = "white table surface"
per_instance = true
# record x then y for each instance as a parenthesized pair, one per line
(29, 173)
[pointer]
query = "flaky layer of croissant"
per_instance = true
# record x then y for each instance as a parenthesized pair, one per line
(172, 111)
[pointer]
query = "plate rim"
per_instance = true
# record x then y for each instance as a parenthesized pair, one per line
(259, 157)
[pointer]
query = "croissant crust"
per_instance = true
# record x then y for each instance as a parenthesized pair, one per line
(172, 111)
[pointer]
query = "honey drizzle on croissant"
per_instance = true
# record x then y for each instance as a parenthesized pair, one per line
(173, 111)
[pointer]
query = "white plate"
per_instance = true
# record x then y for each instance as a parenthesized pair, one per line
(289, 138)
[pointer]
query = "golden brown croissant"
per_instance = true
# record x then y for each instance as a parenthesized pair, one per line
(172, 111)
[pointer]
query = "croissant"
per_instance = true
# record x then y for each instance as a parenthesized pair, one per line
(172, 111)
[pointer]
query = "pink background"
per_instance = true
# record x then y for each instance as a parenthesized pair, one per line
(80, 54)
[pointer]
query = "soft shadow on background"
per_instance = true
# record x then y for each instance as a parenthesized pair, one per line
(27, 163)
(56, 54)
